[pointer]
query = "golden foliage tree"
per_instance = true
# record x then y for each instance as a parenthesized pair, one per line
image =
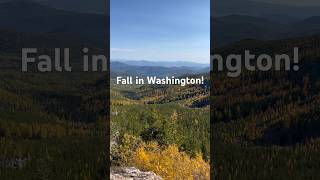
(170, 163)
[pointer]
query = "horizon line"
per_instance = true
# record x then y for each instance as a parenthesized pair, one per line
(187, 61)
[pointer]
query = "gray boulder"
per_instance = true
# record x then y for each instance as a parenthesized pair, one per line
(131, 173)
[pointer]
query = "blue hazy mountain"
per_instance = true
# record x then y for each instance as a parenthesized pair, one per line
(122, 68)
(192, 65)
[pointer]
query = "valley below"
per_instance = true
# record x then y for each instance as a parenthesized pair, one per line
(164, 129)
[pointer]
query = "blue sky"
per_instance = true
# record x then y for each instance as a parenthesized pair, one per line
(160, 30)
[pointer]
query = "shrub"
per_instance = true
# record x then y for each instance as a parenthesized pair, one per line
(170, 163)
(122, 152)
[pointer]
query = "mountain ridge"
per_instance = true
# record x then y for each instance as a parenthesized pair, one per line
(29, 16)
(226, 7)
(119, 68)
(233, 28)
(163, 63)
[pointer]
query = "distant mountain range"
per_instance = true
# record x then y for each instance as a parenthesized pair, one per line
(261, 9)
(220, 7)
(192, 65)
(28, 16)
(232, 28)
(153, 69)
(84, 6)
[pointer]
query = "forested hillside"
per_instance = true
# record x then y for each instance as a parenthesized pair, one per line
(52, 125)
(51, 128)
(266, 124)
(165, 124)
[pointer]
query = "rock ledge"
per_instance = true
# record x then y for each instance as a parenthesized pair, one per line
(131, 173)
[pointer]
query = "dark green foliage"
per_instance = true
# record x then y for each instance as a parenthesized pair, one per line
(167, 120)
(52, 126)
(266, 124)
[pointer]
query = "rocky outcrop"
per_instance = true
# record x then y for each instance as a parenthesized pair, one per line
(13, 162)
(131, 173)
